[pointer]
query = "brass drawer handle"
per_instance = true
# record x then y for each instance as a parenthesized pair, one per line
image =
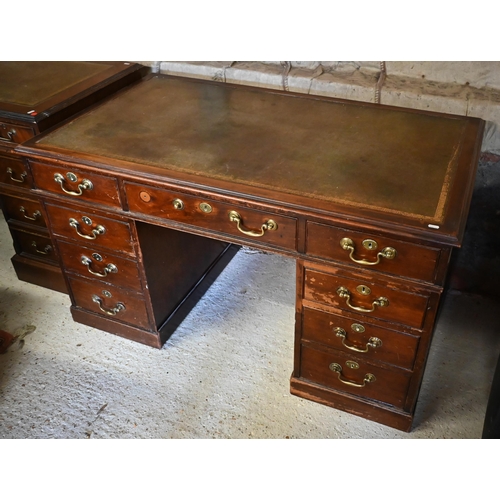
(95, 232)
(373, 342)
(21, 179)
(368, 378)
(270, 225)
(45, 251)
(387, 253)
(36, 215)
(111, 312)
(344, 293)
(110, 268)
(84, 185)
(10, 136)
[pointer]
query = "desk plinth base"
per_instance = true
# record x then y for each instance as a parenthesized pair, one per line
(116, 327)
(391, 417)
(39, 273)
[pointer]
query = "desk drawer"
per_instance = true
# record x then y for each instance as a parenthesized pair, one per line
(11, 135)
(369, 297)
(82, 227)
(374, 252)
(13, 172)
(110, 301)
(24, 210)
(34, 245)
(252, 224)
(76, 183)
(100, 265)
(347, 374)
(353, 337)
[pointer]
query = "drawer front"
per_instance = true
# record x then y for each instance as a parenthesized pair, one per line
(23, 210)
(110, 302)
(359, 338)
(100, 265)
(75, 183)
(84, 228)
(340, 372)
(372, 252)
(10, 134)
(13, 172)
(35, 245)
(370, 298)
(253, 225)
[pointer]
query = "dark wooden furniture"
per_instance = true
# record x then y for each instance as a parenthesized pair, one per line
(146, 194)
(35, 96)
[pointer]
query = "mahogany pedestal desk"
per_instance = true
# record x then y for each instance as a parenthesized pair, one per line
(148, 195)
(35, 96)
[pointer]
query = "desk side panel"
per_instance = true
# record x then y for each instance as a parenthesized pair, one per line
(179, 268)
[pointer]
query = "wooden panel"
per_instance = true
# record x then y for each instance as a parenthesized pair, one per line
(103, 190)
(13, 172)
(24, 210)
(377, 412)
(184, 259)
(108, 324)
(159, 202)
(39, 273)
(395, 348)
(11, 134)
(116, 236)
(413, 261)
(390, 386)
(34, 245)
(116, 270)
(134, 312)
(406, 307)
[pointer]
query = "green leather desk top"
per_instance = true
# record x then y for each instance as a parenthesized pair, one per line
(29, 83)
(386, 159)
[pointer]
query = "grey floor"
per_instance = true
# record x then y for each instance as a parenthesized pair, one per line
(223, 374)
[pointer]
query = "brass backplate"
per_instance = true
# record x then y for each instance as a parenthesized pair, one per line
(205, 207)
(357, 328)
(363, 289)
(370, 244)
(352, 364)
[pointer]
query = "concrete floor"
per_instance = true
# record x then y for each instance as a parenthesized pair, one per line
(223, 374)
